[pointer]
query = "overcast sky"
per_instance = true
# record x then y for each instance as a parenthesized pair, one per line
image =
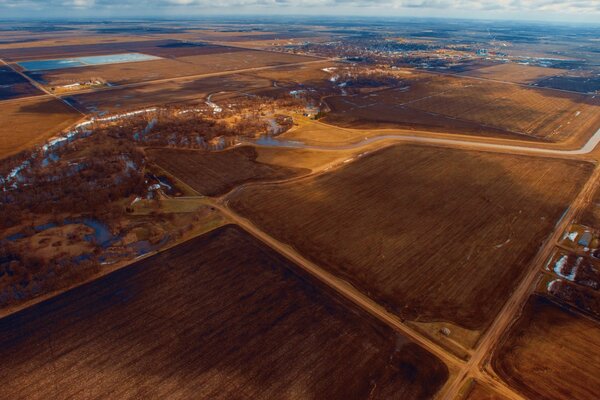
(551, 10)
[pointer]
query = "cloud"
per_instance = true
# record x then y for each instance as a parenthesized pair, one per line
(284, 6)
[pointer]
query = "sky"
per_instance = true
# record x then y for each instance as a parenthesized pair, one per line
(541, 10)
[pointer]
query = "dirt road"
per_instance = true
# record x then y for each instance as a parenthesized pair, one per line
(40, 87)
(476, 366)
(190, 77)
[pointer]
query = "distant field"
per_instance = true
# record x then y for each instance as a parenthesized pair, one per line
(551, 353)
(119, 74)
(181, 91)
(292, 75)
(216, 173)
(13, 85)
(461, 105)
(23, 39)
(585, 83)
(407, 224)
(511, 72)
(26, 123)
(219, 317)
(160, 48)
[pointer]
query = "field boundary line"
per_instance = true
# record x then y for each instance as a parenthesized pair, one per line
(340, 286)
(484, 350)
(190, 77)
(42, 88)
(523, 85)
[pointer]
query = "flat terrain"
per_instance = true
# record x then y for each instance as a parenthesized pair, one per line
(13, 85)
(217, 173)
(591, 215)
(160, 48)
(551, 353)
(478, 391)
(407, 224)
(169, 92)
(583, 83)
(511, 72)
(175, 67)
(469, 106)
(29, 122)
(221, 316)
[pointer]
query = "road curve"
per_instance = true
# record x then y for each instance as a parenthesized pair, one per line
(588, 147)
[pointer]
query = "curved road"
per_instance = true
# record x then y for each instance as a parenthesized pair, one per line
(590, 145)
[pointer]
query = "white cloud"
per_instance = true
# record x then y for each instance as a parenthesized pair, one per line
(383, 7)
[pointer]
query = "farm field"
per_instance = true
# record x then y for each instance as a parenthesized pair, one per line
(214, 174)
(591, 214)
(478, 391)
(461, 105)
(25, 39)
(516, 73)
(584, 83)
(234, 319)
(159, 48)
(314, 160)
(13, 85)
(171, 92)
(551, 353)
(126, 73)
(479, 214)
(26, 123)
(295, 74)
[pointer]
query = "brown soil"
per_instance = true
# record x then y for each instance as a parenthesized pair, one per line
(221, 316)
(214, 174)
(407, 225)
(517, 73)
(478, 107)
(551, 353)
(26, 123)
(125, 73)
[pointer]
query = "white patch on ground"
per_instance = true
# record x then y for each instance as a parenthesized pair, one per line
(551, 285)
(561, 264)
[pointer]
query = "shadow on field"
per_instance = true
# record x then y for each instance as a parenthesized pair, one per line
(219, 317)
(433, 234)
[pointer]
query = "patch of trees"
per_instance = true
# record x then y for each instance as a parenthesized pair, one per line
(79, 183)
(23, 276)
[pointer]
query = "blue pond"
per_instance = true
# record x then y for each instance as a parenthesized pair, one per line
(101, 236)
(42, 65)
(270, 141)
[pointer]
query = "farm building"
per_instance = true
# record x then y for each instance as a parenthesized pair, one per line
(585, 239)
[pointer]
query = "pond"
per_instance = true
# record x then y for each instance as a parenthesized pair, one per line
(102, 235)
(43, 65)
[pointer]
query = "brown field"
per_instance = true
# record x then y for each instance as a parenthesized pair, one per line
(461, 105)
(26, 123)
(160, 48)
(302, 158)
(181, 91)
(591, 214)
(125, 73)
(295, 74)
(26, 39)
(516, 73)
(551, 353)
(214, 174)
(13, 85)
(478, 391)
(406, 224)
(219, 317)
